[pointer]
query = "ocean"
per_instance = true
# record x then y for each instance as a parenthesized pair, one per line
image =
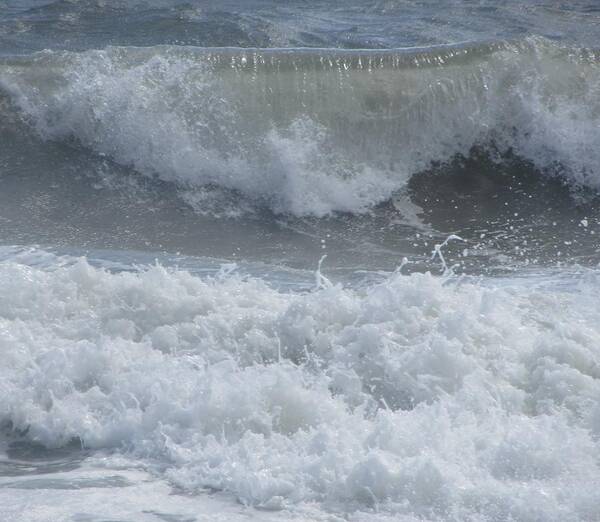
(304, 260)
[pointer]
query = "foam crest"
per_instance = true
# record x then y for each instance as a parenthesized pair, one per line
(418, 396)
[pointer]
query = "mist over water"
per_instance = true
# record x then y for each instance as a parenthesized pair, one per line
(299, 261)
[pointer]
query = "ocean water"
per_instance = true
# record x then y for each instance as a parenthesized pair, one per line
(299, 261)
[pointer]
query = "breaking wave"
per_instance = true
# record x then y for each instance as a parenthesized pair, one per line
(315, 131)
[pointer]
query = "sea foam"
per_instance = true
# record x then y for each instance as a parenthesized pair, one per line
(419, 396)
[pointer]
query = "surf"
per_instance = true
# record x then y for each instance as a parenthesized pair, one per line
(415, 396)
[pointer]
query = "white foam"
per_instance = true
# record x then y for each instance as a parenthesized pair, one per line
(416, 397)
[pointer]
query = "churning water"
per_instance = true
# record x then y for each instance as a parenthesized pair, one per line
(176, 347)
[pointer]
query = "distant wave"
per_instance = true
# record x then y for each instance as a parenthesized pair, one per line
(315, 131)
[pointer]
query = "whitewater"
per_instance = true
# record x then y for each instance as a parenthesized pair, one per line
(312, 261)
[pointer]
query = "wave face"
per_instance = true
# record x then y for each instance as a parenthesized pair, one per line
(311, 132)
(414, 398)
